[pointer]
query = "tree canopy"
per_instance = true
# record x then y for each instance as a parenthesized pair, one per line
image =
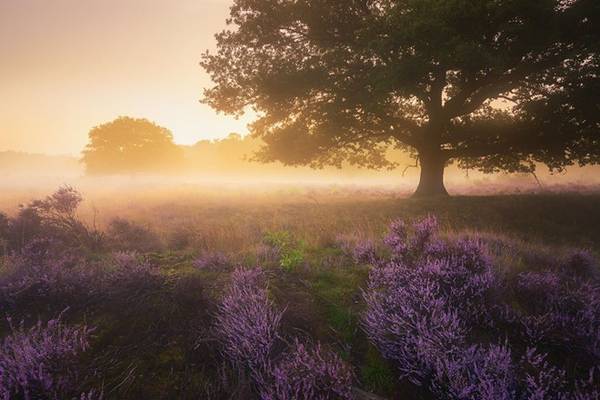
(131, 145)
(490, 84)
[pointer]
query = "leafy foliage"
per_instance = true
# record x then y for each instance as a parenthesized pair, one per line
(130, 145)
(289, 250)
(336, 82)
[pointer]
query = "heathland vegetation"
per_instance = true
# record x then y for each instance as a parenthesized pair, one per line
(340, 295)
(182, 272)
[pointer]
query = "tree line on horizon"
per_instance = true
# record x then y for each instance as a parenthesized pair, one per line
(130, 145)
(137, 146)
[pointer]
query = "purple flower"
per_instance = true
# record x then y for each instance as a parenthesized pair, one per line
(40, 360)
(247, 321)
(451, 321)
(308, 373)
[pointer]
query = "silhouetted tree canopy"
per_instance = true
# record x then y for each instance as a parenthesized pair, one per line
(490, 84)
(129, 145)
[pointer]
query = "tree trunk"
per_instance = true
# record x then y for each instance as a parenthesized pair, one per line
(431, 182)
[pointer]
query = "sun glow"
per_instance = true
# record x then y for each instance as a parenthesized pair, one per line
(73, 65)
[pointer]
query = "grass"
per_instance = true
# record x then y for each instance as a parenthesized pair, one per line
(147, 339)
(234, 225)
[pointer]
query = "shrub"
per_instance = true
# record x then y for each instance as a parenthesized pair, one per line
(247, 321)
(40, 271)
(39, 363)
(559, 309)
(247, 324)
(408, 322)
(53, 218)
(362, 251)
(289, 250)
(452, 323)
(124, 235)
(307, 373)
(129, 273)
(213, 260)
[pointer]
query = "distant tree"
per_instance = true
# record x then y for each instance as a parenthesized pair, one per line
(129, 145)
(491, 84)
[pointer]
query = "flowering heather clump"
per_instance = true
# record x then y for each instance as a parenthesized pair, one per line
(397, 239)
(38, 363)
(582, 264)
(408, 322)
(544, 381)
(212, 260)
(247, 321)
(560, 309)
(476, 373)
(307, 373)
(128, 266)
(41, 271)
(52, 218)
(416, 243)
(362, 251)
(465, 277)
(431, 305)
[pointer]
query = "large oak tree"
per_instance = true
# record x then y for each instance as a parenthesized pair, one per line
(490, 84)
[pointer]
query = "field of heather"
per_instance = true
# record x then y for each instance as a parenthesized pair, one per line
(300, 294)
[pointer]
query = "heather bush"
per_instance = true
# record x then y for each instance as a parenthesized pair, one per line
(307, 373)
(124, 235)
(409, 322)
(558, 309)
(40, 362)
(212, 260)
(580, 263)
(129, 272)
(53, 218)
(476, 372)
(247, 321)
(247, 324)
(362, 251)
(40, 271)
(450, 321)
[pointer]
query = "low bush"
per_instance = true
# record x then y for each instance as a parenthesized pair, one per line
(212, 260)
(40, 362)
(247, 325)
(124, 235)
(306, 373)
(247, 322)
(450, 321)
(53, 220)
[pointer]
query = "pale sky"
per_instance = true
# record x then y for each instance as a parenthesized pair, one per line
(69, 65)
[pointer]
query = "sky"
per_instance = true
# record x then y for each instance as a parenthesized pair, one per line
(69, 65)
